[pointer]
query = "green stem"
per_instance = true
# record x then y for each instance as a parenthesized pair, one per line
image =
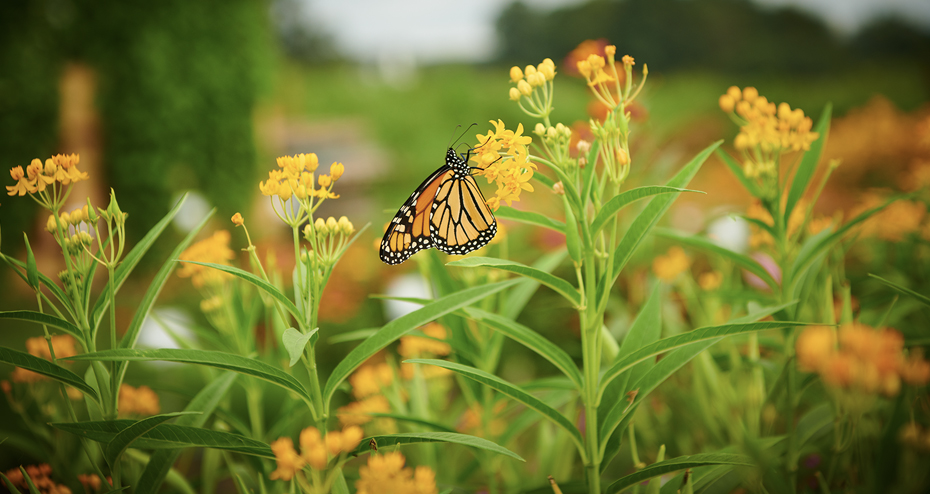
(254, 400)
(114, 384)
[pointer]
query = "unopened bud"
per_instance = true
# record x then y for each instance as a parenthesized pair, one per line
(516, 75)
(237, 219)
(558, 188)
(524, 88)
(51, 225)
(583, 146)
(540, 129)
(65, 219)
(332, 224)
(320, 226)
(515, 94)
(336, 170)
(622, 157)
(345, 226)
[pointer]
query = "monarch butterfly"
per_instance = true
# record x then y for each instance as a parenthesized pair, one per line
(446, 211)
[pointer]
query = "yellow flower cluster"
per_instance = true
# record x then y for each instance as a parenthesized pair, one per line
(386, 474)
(359, 412)
(331, 227)
(866, 360)
(315, 450)
(670, 265)
(895, 222)
(415, 346)
(503, 158)
(527, 82)
(60, 168)
(472, 421)
(710, 280)
(91, 482)
(138, 401)
(760, 238)
(214, 249)
(370, 379)
(40, 476)
(64, 345)
(295, 177)
(604, 77)
(766, 130)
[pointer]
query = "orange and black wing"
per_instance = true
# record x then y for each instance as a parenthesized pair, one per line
(410, 230)
(461, 221)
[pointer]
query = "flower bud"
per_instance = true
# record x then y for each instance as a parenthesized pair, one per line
(92, 215)
(515, 94)
(308, 231)
(583, 146)
(610, 50)
(734, 93)
(750, 94)
(547, 71)
(51, 225)
(784, 111)
(237, 219)
(727, 103)
(77, 216)
(540, 129)
(50, 167)
(346, 226)
(551, 133)
(558, 188)
(300, 191)
(530, 71)
(524, 88)
(336, 170)
(516, 75)
(65, 219)
(320, 226)
(622, 157)
(332, 225)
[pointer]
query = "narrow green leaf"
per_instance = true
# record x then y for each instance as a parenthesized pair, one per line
(521, 294)
(358, 334)
(148, 300)
(167, 436)
(737, 170)
(433, 437)
(512, 391)
(32, 486)
(295, 342)
(532, 340)
(683, 339)
(809, 162)
(561, 286)
(653, 211)
(529, 218)
(131, 260)
(258, 282)
(704, 244)
(675, 464)
(403, 325)
(413, 420)
(47, 369)
(42, 318)
(618, 202)
(51, 285)
(127, 436)
(902, 290)
(32, 270)
(220, 360)
(205, 402)
(9, 485)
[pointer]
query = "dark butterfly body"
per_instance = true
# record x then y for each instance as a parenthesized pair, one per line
(447, 211)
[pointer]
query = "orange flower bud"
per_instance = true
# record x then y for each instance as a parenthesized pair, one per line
(237, 219)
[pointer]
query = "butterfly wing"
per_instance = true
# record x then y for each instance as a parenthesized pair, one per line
(410, 230)
(461, 221)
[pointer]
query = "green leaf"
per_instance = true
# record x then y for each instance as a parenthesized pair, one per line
(32, 271)
(131, 259)
(32, 486)
(521, 294)
(683, 339)
(572, 235)
(529, 218)
(205, 402)
(809, 162)
(220, 360)
(51, 285)
(653, 211)
(295, 342)
(704, 244)
(512, 391)
(403, 325)
(900, 289)
(532, 340)
(737, 170)
(258, 282)
(358, 334)
(675, 464)
(148, 300)
(127, 436)
(618, 202)
(433, 437)
(167, 436)
(561, 286)
(9, 484)
(413, 420)
(47, 369)
(42, 318)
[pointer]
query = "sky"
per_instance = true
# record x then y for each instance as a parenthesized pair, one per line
(424, 31)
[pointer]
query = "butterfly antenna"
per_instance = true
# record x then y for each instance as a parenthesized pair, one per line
(453, 135)
(465, 132)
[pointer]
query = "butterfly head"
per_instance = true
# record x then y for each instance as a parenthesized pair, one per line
(457, 162)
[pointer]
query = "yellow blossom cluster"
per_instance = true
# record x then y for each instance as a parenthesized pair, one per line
(386, 474)
(503, 157)
(40, 476)
(472, 421)
(91, 482)
(533, 88)
(893, 223)
(331, 227)
(359, 412)
(370, 379)
(710, 280)
(61, 169)
(766, 130)
(866, 359)
(758, 237)
(64, 345)
(418, 346)
(315, 450)
(667, 267)
(295, 177)
(74, 218)
(214, 249)
(138, 401)
(605, 76)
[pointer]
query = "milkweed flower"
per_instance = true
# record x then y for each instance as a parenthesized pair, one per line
(386, 474)
(214, 249)
(295, 178)
(415, 346)
(667, 267)
(502, 157)
(47, 183)
(288, 461)
(64, 346)
(138, 401)
(533, 88)
(359, 412)
(370, 379)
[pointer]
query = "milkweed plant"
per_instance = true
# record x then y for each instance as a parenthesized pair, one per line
(734, 372)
